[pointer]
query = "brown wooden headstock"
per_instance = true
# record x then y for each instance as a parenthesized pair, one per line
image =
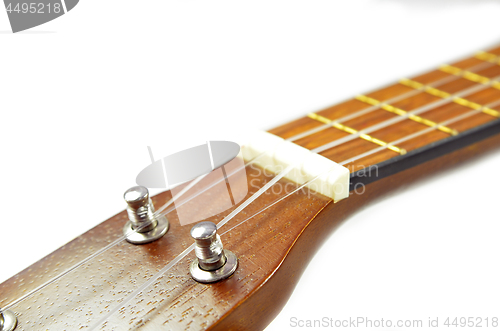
(275, 245)
(175, 301)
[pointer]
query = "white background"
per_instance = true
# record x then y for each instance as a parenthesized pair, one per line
(81, 97)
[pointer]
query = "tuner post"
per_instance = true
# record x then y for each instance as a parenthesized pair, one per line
(143, 226)
(8, 321)
(212, 262)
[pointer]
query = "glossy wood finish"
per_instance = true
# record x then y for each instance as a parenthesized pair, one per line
(175, 302)
(266, 302)
(273, 247)
(407, 99)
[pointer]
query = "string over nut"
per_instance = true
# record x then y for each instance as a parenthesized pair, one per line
(212, 262)
(143, 226)
(8, 321)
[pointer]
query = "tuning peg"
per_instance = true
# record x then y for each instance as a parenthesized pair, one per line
(8, 321)
(212, 262)
(143, 226)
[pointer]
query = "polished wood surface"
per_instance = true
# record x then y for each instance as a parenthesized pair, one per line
(416, 99)
(273, 247)
(176, 301)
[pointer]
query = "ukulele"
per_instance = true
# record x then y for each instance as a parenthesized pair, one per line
(384, 139)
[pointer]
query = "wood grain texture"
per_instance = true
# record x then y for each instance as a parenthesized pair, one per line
(261, 308)
(273, 251)
(273, 247)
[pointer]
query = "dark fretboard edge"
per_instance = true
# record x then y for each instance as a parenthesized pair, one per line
(421, 155)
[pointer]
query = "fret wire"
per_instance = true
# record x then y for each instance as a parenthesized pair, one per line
(458, 100)
(418, 133)
(359, 113)
(467, 74)
(473, 77)
(391, 100)
(488, 57)
(401, 112)
(382, 147)
(317, 150)
(368, 110)
(123, 303)
(350, 130)
(377, 127)
(164, 271)
(395, 120)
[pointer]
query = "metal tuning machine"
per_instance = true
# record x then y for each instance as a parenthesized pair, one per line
(8, 321)
(212, 262)
(143, 226)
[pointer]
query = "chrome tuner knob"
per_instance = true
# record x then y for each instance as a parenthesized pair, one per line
(212, 263)
(143, 226)
(8, 321)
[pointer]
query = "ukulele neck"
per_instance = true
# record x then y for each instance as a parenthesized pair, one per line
(405, 124)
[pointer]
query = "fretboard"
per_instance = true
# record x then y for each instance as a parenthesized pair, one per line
(407, 123)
